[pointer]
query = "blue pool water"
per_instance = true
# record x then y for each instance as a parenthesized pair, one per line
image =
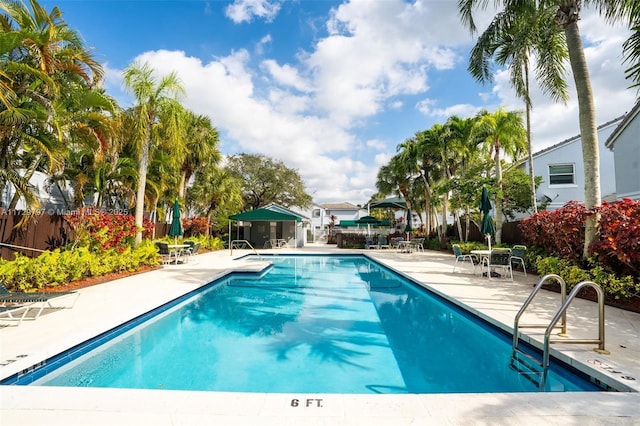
(311, 324)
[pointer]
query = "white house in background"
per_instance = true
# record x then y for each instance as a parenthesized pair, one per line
(345, 214)
(562, 169)
(50, 196)
(625, 144)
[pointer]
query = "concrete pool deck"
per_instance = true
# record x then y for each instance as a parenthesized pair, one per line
(104, 306)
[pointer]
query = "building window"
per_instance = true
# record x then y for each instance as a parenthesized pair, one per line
(316, 212)
(561, 174)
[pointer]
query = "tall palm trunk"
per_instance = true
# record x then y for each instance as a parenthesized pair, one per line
(142, 183)
(588, 131)
(499, 196)
(427, 203)
(532, 181)
(443, 235)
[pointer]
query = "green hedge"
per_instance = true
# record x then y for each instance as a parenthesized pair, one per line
(620, 288)
(57, 267)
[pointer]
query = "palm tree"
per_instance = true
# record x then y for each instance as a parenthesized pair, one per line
(428, 154)
(567, 15)
(501, 131)
(156, 109)
(216, 193)
(42, 56)
(462, 149)
(512, 38)
(201, 142)
(396, 178)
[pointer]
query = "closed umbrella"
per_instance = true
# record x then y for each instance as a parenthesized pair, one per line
(486, 227)
(176, 223)
(408, 227)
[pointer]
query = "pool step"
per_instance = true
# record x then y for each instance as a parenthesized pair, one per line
(528, 366)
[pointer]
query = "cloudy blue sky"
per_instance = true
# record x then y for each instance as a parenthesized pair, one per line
(328, 87)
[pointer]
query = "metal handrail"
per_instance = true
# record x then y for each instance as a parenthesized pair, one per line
(525, 305)
(22, 247)
(562, 311)
(244, 242)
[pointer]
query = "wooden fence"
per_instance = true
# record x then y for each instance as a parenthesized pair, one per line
(510, 233)
(43, 232)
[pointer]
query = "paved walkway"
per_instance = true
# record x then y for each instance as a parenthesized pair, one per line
(107, 305)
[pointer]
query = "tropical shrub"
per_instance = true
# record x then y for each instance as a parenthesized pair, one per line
(58, 267)
(621, 288)
(99, 230)
(560, 232)
(618, 247)
(196, 226)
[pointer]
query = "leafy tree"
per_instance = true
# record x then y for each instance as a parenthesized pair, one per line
(567, 16)
(156, 112)
(265, 180)
(201, 147)
(216, 194)
(516, 193)
(44, 64)
(514, 35)
(397, 177)
(500, 131)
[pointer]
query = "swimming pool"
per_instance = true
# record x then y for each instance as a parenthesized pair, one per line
(312, 324)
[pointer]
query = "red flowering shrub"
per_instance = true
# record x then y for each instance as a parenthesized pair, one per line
(100, 230)
(560, 232)
(196, 226)
(619, 245)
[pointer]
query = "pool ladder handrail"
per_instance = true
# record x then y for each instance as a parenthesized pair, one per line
(560, 316)
(244, 243)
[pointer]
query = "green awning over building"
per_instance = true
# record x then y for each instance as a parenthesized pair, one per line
(265, 215)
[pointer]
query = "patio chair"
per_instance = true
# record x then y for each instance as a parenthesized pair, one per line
(191, 250)
(418, 244)
(395, 242)
(499, 258)
(382, 242)
(166, 255)
(518, 254)
(7, 313)
(195, 249)
(370, 244)
(12, 301)
(457, 252)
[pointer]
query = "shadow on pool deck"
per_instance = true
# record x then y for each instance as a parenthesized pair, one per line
(107, 305)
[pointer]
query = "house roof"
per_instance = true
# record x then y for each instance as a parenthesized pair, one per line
(611, 140)
(572, 139)
(340, 206)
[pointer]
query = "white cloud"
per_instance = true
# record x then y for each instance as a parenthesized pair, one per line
(286, 75)
(263, 43)
(555, 122)
(244, 10)
(428, 108)
(376, 56)
(380, 49)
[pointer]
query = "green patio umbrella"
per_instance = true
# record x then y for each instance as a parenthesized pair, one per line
(176, 223)
(486, 227)
(369, 221)
(407, 227)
